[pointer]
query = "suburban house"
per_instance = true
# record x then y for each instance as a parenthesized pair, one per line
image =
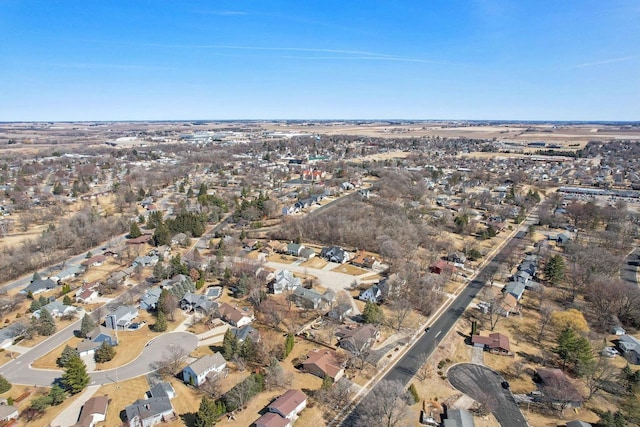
(618, 330)
(357, 339)
(67, 273)
(307, 253)
(39, 286)
(323, 363)
(150, 300)
(509, 305)
(233, 316)
(294, 249)
(374, 294)
(8, 412)
(457, 258)
(246, 332)
(162, 389)
(56, 309)
(494, 343)
(145, 261)
(557, 388)
(10, 333)
(340, 312)
(149, 412)
(363, 260)
(139, 240)
(289, 405)
(285, 281)
(93, 411)
(87, 293)
(522, 277)
(94, 340)
(459, 418)
(514, 288)
(271, 419)
(94, 261)
(443, 267)
(630, 348)
(334, 254)
(196, 373)
(121, 318)
(195, 302)
(312, 300)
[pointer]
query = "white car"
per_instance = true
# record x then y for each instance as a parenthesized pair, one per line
(610, 352)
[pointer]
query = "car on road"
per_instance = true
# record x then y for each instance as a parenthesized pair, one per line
(427, 329)
(505, 385)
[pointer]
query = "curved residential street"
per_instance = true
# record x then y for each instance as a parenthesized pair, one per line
(485, 385)
(19, 371)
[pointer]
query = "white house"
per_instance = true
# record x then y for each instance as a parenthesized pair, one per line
(289, 405)
(93, 411)
(196, 373)
(56, 309)
(285, 281)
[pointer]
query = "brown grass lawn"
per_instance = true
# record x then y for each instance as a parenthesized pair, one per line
(315, 262)
(48, 415)
(122, 394)
(282, 259)
(350, 269)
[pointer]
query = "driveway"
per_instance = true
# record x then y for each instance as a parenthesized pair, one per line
(19, 372)
(484, 386)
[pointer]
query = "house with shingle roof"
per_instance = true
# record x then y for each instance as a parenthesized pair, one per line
(149, 412)
(285, 281)
(93, 411)
(494, 343)
(39, 285)
(233, 316)
(196, 372)
(289, 405)
(121, 317)
(323, 363)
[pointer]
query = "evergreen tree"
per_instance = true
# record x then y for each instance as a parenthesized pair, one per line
(86, 326)
(46, 325)
(161, 235)
(36, 276)
(75, 377)
(573, 349)
(207, 414)
(161, 322)
(4, 385)
(66, 355)
(248, 350)
(229, 344)
(67, 300)
(35, 306)
(372, 313)
(57, 395)
(104, 353)
(288, 344)
(58, 189)
(158, 271)
(134, 230)
(43, 301)
(554, 269)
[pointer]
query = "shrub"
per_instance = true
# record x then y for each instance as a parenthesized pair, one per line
(414, 393)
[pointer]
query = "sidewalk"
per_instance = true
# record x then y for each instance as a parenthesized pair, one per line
(69, 416)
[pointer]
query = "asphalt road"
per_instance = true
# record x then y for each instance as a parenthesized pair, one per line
(629, 271)
(406, 368)
(19, 371)
(485, 385)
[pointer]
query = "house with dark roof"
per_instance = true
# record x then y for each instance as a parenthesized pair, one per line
(495, 343)
(323, 363)
(162, 389)
(294, 249)
(196, 372)
(93, 411)
(246, 332)
(630, 348)
(150, 300)
(39, 286)
(94, 261)
(289, 405)
(195, 302)
(149, 412)
(514, 288)
(335, 254)
(557, 389)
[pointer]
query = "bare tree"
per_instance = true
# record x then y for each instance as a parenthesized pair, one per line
(171, 360)
(386, 405)
(545, 320)
(336, 396)
(400, 309)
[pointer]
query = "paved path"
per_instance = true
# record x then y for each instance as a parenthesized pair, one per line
(71, 413)
(484, 386)
(19, 371)
(477, 355)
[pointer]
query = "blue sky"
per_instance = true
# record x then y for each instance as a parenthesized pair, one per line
(429, 59)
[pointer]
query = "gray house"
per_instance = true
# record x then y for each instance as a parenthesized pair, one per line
(285, 281)
(459, 418)
(149, 412)
(150, 299)
(630, 348)
(196, 373)
(121, 318)
(38, 286)
(312, 300)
